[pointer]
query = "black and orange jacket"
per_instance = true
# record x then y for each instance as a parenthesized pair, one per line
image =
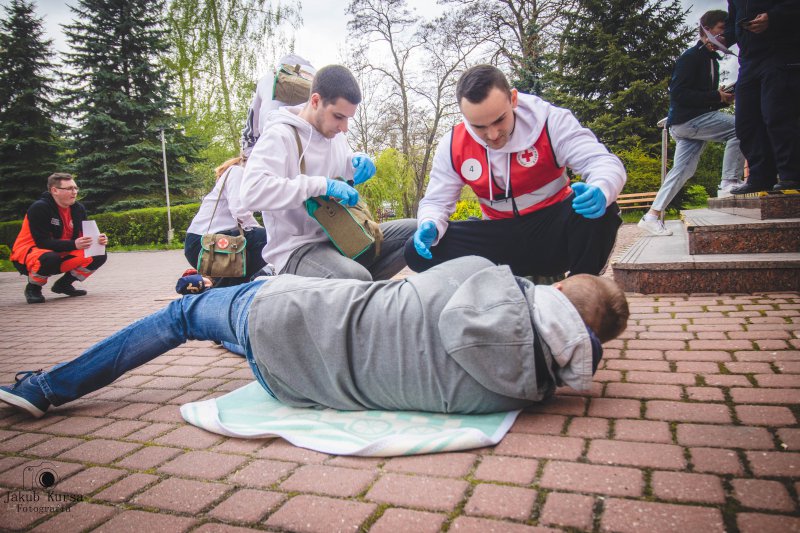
(42, 228)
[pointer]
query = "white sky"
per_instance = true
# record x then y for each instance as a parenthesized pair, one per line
(324, 33)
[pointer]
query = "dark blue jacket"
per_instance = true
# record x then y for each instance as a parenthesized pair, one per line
(781, 40)
(694, 84)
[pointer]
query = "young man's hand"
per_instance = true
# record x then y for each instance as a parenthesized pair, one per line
(759, 24)
(589, 200)
(424, 237)
(364, 168)
(342, 191)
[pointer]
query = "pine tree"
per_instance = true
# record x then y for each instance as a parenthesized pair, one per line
(614, 67)
(29, 143)
(119, 99)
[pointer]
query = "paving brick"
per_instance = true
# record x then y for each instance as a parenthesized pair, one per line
(150, 432)
(716, 461)
(138, 521)
(149, 457)
(560, 405)
(101, 451)
(80, 517)
(408, 521)
(645, 355)
(705, 394)
(643, 430)
(247, 505)
(697, 355)
(201, 464)
(688, 412)
(666, 378)
(284, 451)
(154, 395)
(53, 446)
(790, 438)
(634, 364)
(588, 427)
(496, 501)
(762, 494)
(170, 414)
(240, 446)
(189, 437)
(656, 345)
(18, 515)
(469, 524)
(540, 446)
(697, 367)
(22, 442)
(315, 514)
(614, 408)
(779, 464)
(90, 480)
(568, 510)
(134, 411)
(765, 415)
(759, 523)
(182, 495)
(78, 426)
(421, 492)
(262, 473)
(778, 380)
(722, 380)
(7, 463)
(119, 429)
(329, 480)
(759, 355)
(507, 469)
(749, 438)
(212, 527)
(439, 464)
(539, 424)
(683, 487)
(124, 489)
(636, 454)
(607, 480)
(632, 390)
(629, 516)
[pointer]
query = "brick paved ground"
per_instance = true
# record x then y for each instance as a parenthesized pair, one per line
(692, 423)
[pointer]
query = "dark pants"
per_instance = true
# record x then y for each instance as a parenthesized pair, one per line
(51, 263)
(548, 242)
(256, 240)
(768, 119)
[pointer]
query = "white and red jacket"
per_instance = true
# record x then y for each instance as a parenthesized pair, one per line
(527, 174)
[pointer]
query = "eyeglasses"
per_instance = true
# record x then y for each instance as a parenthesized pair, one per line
(70, 189)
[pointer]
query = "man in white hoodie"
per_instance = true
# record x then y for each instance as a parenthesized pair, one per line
(513, 150)
(274, 184)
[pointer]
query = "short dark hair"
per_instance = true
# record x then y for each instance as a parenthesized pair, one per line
(54, 180)
(476, 83)
(712, 18)
(335, 81)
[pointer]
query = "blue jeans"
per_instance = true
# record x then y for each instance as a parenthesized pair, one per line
(690, 140)
(220, 314)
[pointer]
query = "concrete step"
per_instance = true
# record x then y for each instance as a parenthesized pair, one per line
(657, 265)
(761, 206)
(718, 232)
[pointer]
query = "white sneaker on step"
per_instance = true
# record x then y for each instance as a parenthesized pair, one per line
(654, 227)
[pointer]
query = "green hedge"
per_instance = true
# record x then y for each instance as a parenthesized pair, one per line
(138, 226)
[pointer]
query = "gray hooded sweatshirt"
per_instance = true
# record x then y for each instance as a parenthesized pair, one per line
(458, 338)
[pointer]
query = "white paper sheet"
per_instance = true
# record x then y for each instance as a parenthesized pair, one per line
(90, 230)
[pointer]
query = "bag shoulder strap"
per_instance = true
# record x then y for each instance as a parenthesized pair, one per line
(300, 153)
(221, 190)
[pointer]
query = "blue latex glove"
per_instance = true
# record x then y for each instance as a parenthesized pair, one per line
(424, 237)
(364, 168)
(342, 191)
(589, 200)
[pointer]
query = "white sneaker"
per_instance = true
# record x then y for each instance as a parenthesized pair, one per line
(724, 189)
(654, 227)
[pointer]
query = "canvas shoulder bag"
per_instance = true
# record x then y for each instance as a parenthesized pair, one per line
(292, 85)
(352, 230)
(221, 255)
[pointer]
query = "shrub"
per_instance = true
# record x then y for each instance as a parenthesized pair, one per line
(466, 209)
(139, 226)
(695, 196)
(5, 252)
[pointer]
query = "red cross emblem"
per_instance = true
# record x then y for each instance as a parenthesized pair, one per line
(528, 158)
(223, 243)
